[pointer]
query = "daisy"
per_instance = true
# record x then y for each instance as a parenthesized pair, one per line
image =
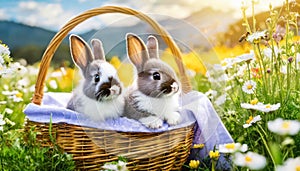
(232, 147)
(4, 50)
(267, 107)
(245, 57)
(251, 121)
(2, 122)
(249, 87)
(120, 166)
(256, 36)
(284, 127)
(251, 160)
(268, 52)
(290, 164)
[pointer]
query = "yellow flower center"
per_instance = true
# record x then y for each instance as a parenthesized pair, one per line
(194, 164)
(254, 101)
(285, 125)
(249, 120)
(230, 146)
(249, 87)
(268, 106)
(248, 159)
(298, 168)
(19, 95)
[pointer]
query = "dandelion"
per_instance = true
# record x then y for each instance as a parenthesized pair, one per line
(256, 36)
(194, 164)
(249, 87)
(284, 127)
(232, 147)
(251, 160)
(214, 155)
(199, 146)
(291, 164)
(251, 121)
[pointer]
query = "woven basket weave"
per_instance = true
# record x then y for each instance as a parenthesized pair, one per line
(92, 147)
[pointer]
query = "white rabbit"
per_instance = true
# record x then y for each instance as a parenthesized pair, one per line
(99, 95)
(154, 97)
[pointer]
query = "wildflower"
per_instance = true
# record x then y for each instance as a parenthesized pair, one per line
(232, 147)
(119, 166)
(254, 101)
(251, 160)
(227, 63)
(256, 37)
(15, 95)
(249, 87)
(220, 100)
(194, 164)
(279, 34)
(9, 122)
(200, 146)
(8, 111)
(290, 59)
(268, 52)
(283, 69)
(284, 127)
(16, 67)
(245, 57)
(211, 93)
(2, 122)
(290, 164)
(267, 107)
(214, 155)
(53, 84)
(251, 121)
(268, 70)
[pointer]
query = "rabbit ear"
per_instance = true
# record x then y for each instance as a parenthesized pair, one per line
(152, 45)
(137, 51)
(98, 49)
(81, 52)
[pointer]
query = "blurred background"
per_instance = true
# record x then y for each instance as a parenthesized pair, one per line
(205, 26)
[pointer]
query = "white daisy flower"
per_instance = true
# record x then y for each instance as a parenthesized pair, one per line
(245, 57)
(211, 93)
(18, 68)
(267, 107)
(227, 63)
(249, 87)
(256, 36)
(268, 52)
(290, 165)
(4, 50)
(251, 160)
(8, 111)
(284, 127)
(120, 166)
(251, 121)
(232, 147)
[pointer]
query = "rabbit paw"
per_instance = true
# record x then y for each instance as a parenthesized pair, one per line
(152, 122)
(115, 90)
(173, 119)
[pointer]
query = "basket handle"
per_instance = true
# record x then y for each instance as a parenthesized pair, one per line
(63, 32)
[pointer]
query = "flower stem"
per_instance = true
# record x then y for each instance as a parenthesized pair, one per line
(267, 147)
(213, 165)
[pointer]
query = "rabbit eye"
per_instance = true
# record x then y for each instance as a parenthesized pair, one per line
(97, 78)
(156, 76)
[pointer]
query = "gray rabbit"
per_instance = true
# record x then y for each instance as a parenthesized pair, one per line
(99, 95)
(154, 97)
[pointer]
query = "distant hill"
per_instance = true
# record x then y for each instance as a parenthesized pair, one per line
(192, 32)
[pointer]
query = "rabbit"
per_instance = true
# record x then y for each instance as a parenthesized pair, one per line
(154, 96)
(99, 94)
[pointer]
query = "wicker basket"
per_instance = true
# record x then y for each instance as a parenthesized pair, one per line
(92, 147)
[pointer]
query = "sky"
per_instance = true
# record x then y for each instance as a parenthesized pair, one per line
(53, 14)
